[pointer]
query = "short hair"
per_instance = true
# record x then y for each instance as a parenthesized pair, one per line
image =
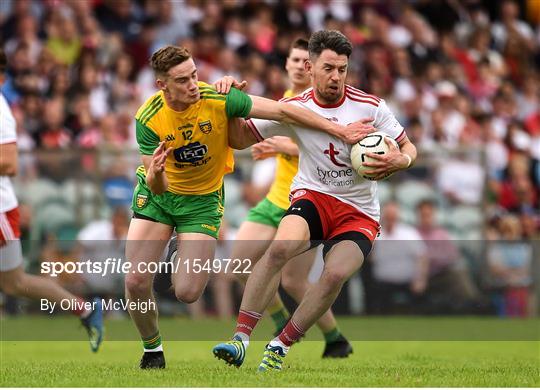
(167, 57)
(329, 39)
(3, 61)
(299, 43)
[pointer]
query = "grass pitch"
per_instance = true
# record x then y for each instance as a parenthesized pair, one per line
(191, 363)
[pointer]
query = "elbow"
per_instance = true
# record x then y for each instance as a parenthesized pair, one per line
(246, 143)
(282, 114)
(238, 145)
(12, 171)
(8, 169)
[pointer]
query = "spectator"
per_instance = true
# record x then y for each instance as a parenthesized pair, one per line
(171, 23)
(449, 279)
(27, 34)
(53, 134)
(120, 16)
(400, 264)
(517, 192)
(509, 265)
(64, 42)
(510, 24)
(460, 179)
(101, 240)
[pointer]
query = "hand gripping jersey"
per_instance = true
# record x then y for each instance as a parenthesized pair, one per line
(325, 163)
(199, 137)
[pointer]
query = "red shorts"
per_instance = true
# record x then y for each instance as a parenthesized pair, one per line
(338, 217)
(9, 225)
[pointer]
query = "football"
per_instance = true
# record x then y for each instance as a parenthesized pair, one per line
(373, 143)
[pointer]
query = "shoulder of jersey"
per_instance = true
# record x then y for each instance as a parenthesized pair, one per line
(150, 108)
(302, 98)
(354, 94)
(357, 95)
(208, 92)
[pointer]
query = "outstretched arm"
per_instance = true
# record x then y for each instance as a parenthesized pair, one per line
(263, 108)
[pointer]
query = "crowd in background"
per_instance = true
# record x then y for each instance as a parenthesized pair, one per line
(462, 76)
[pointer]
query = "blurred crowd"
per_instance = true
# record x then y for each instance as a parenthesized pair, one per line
(462, 76)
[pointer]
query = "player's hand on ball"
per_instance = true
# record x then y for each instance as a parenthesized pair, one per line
(159, 157)
(224, 84)
(357, 131)
(386, 164)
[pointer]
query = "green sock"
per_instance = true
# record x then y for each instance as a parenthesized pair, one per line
(280, 315)
(332, 335)
(152, 343)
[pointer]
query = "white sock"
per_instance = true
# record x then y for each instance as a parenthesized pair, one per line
(159, 348)
(244, 337)
(278, 343)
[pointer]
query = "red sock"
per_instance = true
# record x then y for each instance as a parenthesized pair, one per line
(79, 307)
(246, 321)
(290, 334)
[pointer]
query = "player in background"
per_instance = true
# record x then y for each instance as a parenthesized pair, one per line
(183, 136)
(259, 228)
(13, 279)
(329, 201)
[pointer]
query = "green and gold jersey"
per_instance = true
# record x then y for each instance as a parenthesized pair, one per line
(199, 137)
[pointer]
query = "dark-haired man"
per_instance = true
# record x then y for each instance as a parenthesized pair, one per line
(256, 232)
(329, 200)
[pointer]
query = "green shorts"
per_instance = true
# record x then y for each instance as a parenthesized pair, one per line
(186, 213)
(266, 213)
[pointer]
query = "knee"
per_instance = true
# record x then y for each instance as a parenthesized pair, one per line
(187, 294)
(13, 286)
(278, 254)
(138, 284)
(334, 277)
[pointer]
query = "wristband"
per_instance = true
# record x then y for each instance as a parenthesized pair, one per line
(410, 160)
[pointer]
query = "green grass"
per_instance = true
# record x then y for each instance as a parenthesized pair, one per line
(191, 364)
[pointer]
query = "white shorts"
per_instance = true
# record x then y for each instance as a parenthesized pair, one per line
(10, 255)
(10, 246)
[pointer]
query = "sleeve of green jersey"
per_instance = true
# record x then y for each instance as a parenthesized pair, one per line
(147, 139)
(237, 104)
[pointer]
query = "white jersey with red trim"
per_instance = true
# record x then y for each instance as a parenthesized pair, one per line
(8, 134)
(325, 162)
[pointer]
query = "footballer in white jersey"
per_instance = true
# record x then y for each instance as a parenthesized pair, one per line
(13, 279)
(329, 202)
(325, 162)
(10, 248)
